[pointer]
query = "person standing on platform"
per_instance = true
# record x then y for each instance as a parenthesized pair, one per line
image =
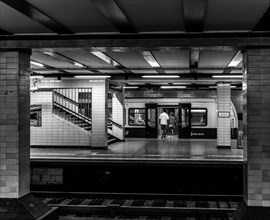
(163, 121)
(172, 124)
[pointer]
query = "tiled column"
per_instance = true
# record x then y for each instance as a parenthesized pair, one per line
(223, 113)
(15, 200)
(14, 124)
(118, 115)
(99, 137)
(256, 128)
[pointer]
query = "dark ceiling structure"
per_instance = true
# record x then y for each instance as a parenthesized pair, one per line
(35, 19)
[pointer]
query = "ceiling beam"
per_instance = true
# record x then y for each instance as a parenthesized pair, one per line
(232, 65)
(103, 56)
(147, 69)
(263, 23)
(35, 14)
(152, 61)
(221, 40)
(3, 32)
(61, 71)
(194, 13)
(111, 10)
(61, 57)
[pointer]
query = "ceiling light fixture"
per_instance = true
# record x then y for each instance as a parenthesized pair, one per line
(236, 60)
(131, 87)
(227, 76)
(147, 55)
(106, 58)
(160, 76)
(173, 87)
(214, 87)
(92, 76)
(36, 63)
(78, 64)
(49, 53)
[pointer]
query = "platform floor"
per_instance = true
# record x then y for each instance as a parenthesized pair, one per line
(147, 150)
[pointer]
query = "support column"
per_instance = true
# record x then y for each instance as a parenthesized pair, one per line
(223, 113)
(15, 200)
(256, 128)
(99, 137)
(118, 115)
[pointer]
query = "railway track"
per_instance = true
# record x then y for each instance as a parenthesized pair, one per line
(141, 204)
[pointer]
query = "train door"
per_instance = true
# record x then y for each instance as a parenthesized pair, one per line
(184, 120)
(169, 110)
(151, 120)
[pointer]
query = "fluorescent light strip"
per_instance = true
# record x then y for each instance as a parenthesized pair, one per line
(227, 76)
(236, 60)
(214, 87)
(173, 87)
(36, 63)
(49, 53)
(91, 77)
(160, 76)
(105, 58)
(131, 87)
(150, 59)
(78, 64)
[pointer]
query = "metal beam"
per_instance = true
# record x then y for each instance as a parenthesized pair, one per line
(263, 23)
(111, 9)
(59, 56)
(194, 13)
(49, 67)
(30, 11)
(219, 40)
(108, 59)
(3, 32)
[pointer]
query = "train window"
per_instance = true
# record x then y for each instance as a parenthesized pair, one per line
(198, 117)
(136, 116)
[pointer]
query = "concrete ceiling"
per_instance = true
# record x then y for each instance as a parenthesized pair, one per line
(140, 17)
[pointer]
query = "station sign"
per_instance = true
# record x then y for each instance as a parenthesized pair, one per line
(115, 87)
(224, 114)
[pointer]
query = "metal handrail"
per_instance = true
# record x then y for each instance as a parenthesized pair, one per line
(86, 119)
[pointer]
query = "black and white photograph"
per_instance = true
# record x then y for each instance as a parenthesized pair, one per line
(134, 109)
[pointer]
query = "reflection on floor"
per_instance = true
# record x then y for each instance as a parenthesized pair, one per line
(142, 150)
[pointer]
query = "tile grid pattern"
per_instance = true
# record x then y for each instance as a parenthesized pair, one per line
(256, 125)
(55, 131)
(14, 124)
(118, 115)
(99, 114)
(223, 123)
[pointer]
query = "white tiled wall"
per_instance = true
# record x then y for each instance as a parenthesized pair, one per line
(55, 131)
(118, 114)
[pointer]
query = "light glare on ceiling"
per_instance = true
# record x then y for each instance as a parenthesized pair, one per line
(36, 63)
(236, 60)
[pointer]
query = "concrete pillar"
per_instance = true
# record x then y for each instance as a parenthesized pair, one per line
(99, 137)
(256, 128)
(223, 113)
(15, 138)
(118, 115)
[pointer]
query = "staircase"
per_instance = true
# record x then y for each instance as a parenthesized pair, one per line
(77, 113)
(64, 113)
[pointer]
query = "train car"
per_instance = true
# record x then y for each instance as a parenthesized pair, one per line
(195, 118)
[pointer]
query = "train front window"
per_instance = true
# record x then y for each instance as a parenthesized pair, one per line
(136, 117)
(198, 117)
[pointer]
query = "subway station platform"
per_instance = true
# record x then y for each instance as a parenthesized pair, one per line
(138, 150)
